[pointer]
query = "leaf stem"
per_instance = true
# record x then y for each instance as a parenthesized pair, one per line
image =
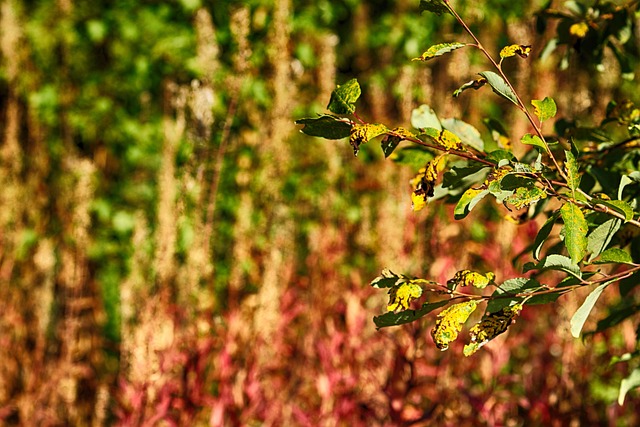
(520, 104)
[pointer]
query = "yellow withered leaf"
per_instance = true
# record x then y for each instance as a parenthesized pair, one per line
(579, 29)
(471, 278)
(490, 327)
(450, 322)
(401, 296)
(522, 51)
(424, 183)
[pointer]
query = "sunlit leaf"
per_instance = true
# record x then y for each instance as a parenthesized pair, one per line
(499, 86)
(545, 109)
(401, 296)
(424, 183)
(619, 206)
(343, 98)
(473, 84)
(492, 325)
(325, 126)
(424, 117)
(450, 322)
(407, 316)
(361, 134)
(555, 262)
(515, 49)
(438, 50)
(449, 140)
(575, 231)
(615, 255)
(435, 6)
(470, 278)
(580, 317)
(468, 201)
(467, 133)
(627, 384)
(524, 196)
(573, 173)
(599, 238)
(534, 140)
(579, 29)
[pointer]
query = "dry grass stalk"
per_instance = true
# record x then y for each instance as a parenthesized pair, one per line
(175, 99)
(240, 23)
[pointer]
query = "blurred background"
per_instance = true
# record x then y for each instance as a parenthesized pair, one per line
(175, 252)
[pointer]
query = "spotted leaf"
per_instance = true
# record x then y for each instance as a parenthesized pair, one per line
(470, 278)
(450, 322)
(401, 296)
(515, 49)
(492, 325)
(361, 134)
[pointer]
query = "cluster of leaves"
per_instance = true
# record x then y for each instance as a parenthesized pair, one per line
(584, 180)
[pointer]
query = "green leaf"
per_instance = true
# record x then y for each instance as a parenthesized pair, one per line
(573, 173)
(498, 133)
(473, 84)
(545, 109)
(466, 132)
(498, 155)
(580, 317)
(325, 126)
(633, 177)
(407, 316)
(615, 255)
(599, 238)
(575, 231)
(457, 175)
(543, 298)
(629, 383)
(512, 286)
(435, 6)
(414, 156)
(390, 142)
(542, 235)
(439, 50)
(343, 98)
(555, 262)
(499, 86)
(468, 201)
(424, 117)
(525, 196)
(619, 206)
(387, 279)
(534, 140)
(361, 134)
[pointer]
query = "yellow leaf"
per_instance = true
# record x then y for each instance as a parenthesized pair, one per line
(450, 322)
(490, 327)
(361, 134)
(579, 29)
(401, 296)
(449, 140)
(424, 183)
(515, 49)
(471, 278)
